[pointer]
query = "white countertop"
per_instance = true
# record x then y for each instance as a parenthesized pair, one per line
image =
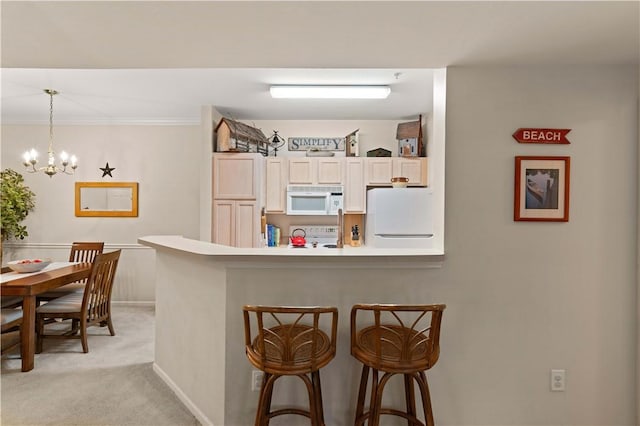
(346, 255)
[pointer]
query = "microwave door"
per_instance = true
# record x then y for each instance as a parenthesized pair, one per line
(307, 204)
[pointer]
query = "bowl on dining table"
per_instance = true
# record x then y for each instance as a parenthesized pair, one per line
(28, 265)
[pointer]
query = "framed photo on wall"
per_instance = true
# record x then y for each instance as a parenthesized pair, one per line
(541, 189)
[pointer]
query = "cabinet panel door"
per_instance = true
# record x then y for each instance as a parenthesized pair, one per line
(276, 185)
(415, 169)
(379, 171)
(235, 176)
(246, 228)
(330, 171)
(223, 228)
(301, 171)
(355, 187)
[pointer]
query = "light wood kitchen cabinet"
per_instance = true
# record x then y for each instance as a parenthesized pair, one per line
(330, 171)
(235, 223)
(413, 168)
(302, 171)
(381, 170)
(316, 171)
(276, 185)
(355, 189)
(237, 186)
(236, 176)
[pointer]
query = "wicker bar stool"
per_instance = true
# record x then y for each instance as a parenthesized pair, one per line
(398, 339)
(290, 341)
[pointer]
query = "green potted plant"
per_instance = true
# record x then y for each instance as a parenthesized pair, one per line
(16, 203)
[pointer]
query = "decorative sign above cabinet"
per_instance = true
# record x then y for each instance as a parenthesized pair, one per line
(319, 144)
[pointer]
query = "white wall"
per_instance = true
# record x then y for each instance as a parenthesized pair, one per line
(163, 159)
(522, 298)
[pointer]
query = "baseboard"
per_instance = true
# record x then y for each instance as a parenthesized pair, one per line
(132, 303)
(199, 415)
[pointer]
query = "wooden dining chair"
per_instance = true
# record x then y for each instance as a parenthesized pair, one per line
(92, 307)
(11, 320)
(290, 341)
(395, 339)
(80, 252)
(7, 302)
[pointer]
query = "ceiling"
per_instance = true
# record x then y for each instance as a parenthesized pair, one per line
(176, 95)
(146, 61)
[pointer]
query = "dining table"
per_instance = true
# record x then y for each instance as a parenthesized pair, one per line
(29, 286)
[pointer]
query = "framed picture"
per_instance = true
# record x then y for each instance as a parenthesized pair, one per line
(541, 189)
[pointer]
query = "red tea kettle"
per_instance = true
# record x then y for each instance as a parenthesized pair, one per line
(298, 240)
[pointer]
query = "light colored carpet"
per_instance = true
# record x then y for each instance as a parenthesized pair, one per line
(113, 384)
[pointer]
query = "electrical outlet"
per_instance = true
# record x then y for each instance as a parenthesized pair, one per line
(256, 380)
(558, 380)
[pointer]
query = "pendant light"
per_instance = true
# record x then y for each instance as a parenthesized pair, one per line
(31, 157)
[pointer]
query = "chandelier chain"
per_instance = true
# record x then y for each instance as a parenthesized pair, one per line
(51, 93)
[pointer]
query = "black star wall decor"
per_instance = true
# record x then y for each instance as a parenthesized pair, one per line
(106, 170)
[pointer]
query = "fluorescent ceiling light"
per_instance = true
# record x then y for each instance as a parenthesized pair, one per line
(330, 92)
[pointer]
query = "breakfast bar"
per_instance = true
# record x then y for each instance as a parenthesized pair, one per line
(201, 288)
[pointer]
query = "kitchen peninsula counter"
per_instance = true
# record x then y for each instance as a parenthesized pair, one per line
(348, 254)
(200, 289)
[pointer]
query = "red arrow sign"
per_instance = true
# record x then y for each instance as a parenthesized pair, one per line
(548, 136)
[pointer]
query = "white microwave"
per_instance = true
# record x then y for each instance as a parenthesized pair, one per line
(316, 200)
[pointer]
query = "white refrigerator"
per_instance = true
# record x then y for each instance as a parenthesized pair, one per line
(399, 218)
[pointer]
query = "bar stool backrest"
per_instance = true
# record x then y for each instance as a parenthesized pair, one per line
(290, 340)
(396, 338)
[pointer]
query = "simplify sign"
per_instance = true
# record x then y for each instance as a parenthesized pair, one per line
(548, 136)
(321, 144)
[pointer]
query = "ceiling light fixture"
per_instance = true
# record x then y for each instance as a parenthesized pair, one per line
(31, 157)
(330, 92)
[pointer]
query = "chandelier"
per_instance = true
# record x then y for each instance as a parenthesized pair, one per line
(31, 157)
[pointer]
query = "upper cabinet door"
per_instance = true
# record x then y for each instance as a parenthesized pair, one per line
(355, 189)
(413, 168)
(276, 185)
(301, 171)
(236, 176)
(330, 171)
(379, 171)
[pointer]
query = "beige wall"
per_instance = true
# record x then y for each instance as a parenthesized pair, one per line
(163, 159)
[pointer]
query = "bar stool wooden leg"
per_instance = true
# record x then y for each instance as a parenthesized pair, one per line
(362, 393)
(264, 400)
(317, 391)
(410, 398)
(370, 414)
(426, 398)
